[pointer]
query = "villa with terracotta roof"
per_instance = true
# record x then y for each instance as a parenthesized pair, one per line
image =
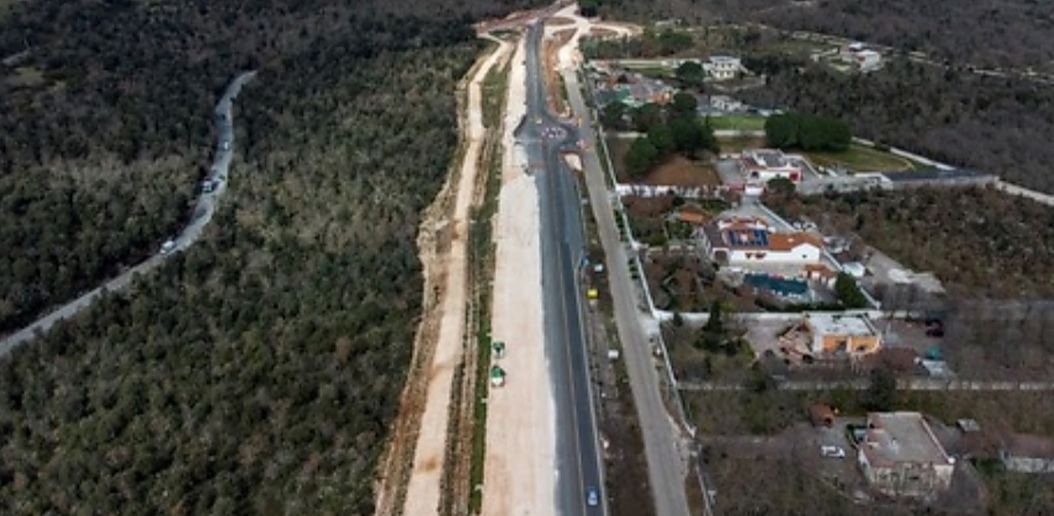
(820, 273)
(692, 217)
(746, 241)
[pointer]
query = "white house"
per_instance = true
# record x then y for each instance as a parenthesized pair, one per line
(765, 165)
(746, 241)
(862, 57)
(725, 104)
(868, 60)
(723, 68)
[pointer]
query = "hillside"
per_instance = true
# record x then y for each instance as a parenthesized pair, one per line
(989, 33)
(258, 372)
(985, 242)
(105, 120)
(991, 124)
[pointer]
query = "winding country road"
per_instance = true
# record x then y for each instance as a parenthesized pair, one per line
(202, 215)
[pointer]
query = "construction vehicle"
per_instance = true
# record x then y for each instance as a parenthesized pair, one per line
(497, 376)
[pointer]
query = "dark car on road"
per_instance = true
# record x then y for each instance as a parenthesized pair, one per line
(934, 328)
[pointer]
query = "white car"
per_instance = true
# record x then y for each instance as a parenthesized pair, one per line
(832, 452)
(592, 496)
(168, 246)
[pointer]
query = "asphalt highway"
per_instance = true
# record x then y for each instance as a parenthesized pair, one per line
(202, 215)
(666, 472)
(544, 137)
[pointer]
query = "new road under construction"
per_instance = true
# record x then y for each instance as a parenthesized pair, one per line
(531, 367)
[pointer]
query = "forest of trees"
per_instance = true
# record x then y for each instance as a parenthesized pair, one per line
(807, 132)
(257, 372)
(100, 154)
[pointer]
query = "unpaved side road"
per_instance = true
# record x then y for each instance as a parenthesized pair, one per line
(438, 349)
(520, 461)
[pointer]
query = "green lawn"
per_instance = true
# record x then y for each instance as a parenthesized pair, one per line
(738, 123)
(862, 159)
(738, 144)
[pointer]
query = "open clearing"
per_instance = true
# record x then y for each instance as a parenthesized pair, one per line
(859, 158)
(737, 123)
(680, 171)
(737, 144)
(25, 76)
(674, 171)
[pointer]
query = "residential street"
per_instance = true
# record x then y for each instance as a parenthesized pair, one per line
(667, 469)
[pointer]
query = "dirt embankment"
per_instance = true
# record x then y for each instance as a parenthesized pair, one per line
(554, 84)
(411, 473)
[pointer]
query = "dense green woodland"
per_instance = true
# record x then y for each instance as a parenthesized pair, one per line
(105, 123)
(259, 371)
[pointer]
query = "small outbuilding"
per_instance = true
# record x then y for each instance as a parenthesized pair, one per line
(1023, 453)
(855, 269)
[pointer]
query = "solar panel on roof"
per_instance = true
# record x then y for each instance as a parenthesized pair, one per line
(762, 237)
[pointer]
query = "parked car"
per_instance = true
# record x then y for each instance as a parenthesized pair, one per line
(935, 332)
(832, 452)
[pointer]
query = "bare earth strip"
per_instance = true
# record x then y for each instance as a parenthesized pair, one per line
(440, 337)
(520, 462)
